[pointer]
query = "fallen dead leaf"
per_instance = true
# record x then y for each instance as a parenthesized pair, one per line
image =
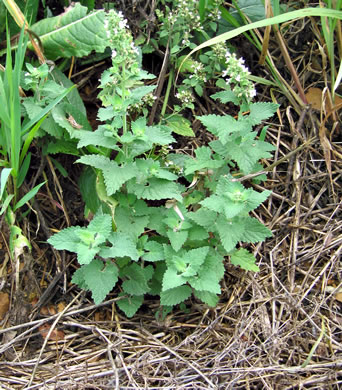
(56, 335)
(338, 296)
(314, 97)
(4, 304)
(61, 306)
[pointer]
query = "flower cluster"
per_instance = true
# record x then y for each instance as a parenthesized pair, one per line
(237, 78)
(186, 97)
(199, 73)
(139, 107)
(214, 12)
(125, 64)
(120, 40)
(181, 21)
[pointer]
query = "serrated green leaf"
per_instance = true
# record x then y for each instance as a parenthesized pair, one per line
(198, 233)
(61, 146)
(155, 189)
(137, 283)
(95, 160)
(73, 33)
(180, 125)
(203, 160)
(175, 295)
(254, 231)
(260, 111)
(78, 278)
(249, 152)
(159, 135)
(122, 245)
(99, 137)
(101, 225)
(115, 176)
(241, 257)
(226, 97)
(138, 93)
(128, 222)
(155, 251)
(130, 305)
(255, 199)
(203, 217)
(66, 239)
(172, 278)
(73, 97)
(230, 231)
(85, 254)
(209, 274)
(223, 126)
(207, 297)
(220, 203)
(177, 238)
(100, 278)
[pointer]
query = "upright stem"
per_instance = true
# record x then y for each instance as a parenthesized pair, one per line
(124, 119)
(167, 93)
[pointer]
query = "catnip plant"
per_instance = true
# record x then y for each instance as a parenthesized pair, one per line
(164, 223)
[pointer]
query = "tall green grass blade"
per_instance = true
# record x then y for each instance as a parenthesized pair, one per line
(28, 196)
(5, 172)
(299, 14)
(6, 203)
(29, 139)
(24, 167)
(32, 122)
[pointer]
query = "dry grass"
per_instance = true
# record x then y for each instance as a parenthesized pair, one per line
(279, 329)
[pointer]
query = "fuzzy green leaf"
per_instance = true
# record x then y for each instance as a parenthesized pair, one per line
(230, 231)
(66, 239)
(177, 238)
(210, 274)
(260, 111)
(203, 217)
(137, 283)
(226, 97)
(99, 137)
(155, 189)
(244, 259)
(249, 152)
(130, 305)
(128, 222)
(180, 125)
(100, 279)
(159, 135)
(172, 278)
(155, 251)
(102, 226)
(115, 176)
(85, 254)
(223, 126)
(221, 203)
(207, 297)
(122, 245)
(175, 295)
(254, 231)
(95, 160)
(203, 160)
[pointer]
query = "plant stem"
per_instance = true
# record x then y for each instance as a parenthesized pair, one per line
(167, 93)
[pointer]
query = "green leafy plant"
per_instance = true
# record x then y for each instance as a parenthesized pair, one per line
(164, 222)
(16, 136)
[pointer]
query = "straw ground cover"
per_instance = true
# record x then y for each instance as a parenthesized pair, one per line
(278, 329)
